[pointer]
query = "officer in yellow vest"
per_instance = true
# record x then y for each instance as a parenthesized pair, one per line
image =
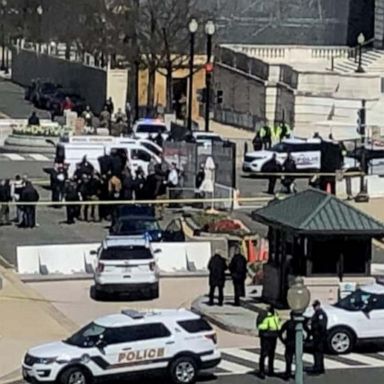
(265, 134)
(269, 328)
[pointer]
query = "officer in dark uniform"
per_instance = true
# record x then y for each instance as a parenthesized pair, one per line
(287, 335)
(271, 166)
(319, 323)
(238, 268)
(216, 267)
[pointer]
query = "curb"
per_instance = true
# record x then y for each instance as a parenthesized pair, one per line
(88, 277)
(62, 320)
(216, 320)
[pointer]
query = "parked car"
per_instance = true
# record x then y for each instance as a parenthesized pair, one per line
(126, 265)
(175, 342)
(144, 128)
(43, 94)
(134, 225)
(356, 318)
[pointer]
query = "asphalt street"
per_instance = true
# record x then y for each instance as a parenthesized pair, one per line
(352, 376)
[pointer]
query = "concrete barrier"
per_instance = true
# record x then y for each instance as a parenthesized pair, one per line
(375, 185)
(72, 259)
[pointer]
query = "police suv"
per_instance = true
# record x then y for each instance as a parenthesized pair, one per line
(176, 342)
(308, 155)
(126, 264)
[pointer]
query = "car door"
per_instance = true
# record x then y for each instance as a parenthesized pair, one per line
(138, 348)
(140, 158)
(375, 316)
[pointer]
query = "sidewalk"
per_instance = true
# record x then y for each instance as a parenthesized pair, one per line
(26, 319)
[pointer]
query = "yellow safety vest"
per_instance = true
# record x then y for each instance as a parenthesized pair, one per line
(270, 323)
(276, 133)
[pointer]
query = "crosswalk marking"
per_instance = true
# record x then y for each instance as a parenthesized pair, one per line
(240, 361)
(27, 157)
(38, 157)
(14, 156)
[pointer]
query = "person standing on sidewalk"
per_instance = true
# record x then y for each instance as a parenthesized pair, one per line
(268, 329)
(287, 335)
(216, 267)
(5, 198)
(319, 322)
(238, 268)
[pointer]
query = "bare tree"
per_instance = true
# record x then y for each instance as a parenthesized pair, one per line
(164, 41)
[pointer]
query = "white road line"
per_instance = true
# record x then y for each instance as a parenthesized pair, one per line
(359, 358)
(253, 357)
(38, 157)
(14, 156)
(234, 368)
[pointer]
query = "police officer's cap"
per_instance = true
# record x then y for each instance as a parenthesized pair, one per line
(316, 303)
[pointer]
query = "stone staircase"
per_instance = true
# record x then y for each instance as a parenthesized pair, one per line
(372, 62)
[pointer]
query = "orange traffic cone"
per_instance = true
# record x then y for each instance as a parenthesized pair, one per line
(252, 256)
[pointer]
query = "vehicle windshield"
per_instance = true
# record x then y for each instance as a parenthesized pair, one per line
(356, 301)
(87, 337)
(138, 226)
(150, 128)
(279, 148)
(126, 253)
(208, 138)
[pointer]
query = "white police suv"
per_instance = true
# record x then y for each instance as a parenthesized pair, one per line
(126, 264)
(144, 128)
(175, 342)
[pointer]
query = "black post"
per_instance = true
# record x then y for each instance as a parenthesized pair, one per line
(7, 57)
(2, 43)
(190, 92)
(208, 80)
(137, 83)
(360, 68)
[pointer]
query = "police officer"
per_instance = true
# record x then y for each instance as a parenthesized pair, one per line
(269, 329)
(287, 335)
(289, 166)
(257, 142)
(319, 323)
(272, 166)
(217, 267)
(266, 136)
(238, 268)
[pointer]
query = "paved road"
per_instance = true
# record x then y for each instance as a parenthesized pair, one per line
(12, 102)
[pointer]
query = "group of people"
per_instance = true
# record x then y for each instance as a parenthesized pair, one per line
(115, 182)
(217, 268)
(24, 195)
(270, 330)
(266, 135)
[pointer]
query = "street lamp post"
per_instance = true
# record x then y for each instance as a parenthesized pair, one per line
(298, 299)
(40, 12)
(193, 27)
(3, 66)
(210, 30)
(360, 42)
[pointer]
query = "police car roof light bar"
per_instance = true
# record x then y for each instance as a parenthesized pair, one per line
(132, 314)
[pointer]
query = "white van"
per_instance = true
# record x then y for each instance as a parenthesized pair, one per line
(108, 140)
(137, 154)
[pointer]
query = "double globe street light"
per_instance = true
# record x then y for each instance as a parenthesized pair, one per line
(298, 300)
(210, 30)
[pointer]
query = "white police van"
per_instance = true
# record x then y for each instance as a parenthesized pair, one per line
(176, 342)
(124, 265)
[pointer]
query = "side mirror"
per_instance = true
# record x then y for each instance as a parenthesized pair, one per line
(93, 253)
(100, 343)
(156, 251)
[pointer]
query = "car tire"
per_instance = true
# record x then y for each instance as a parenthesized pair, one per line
(154, 292)
(99, 294)
(183, 370)
(74, 375)
(340, 340)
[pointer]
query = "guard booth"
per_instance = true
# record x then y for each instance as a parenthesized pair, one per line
(315, 235)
